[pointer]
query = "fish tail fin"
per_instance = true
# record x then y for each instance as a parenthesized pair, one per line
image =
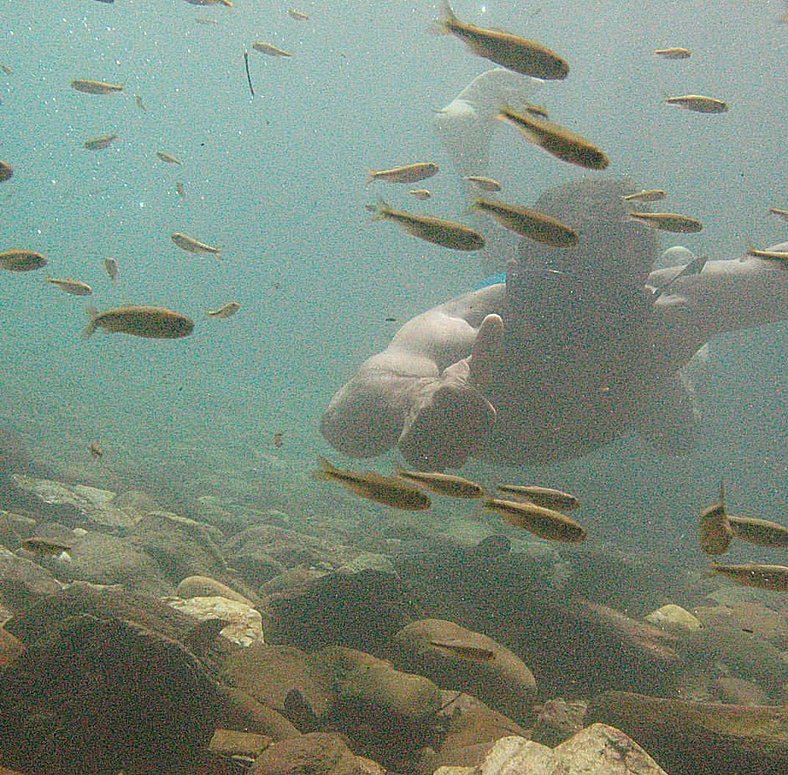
(326, 471)
(443, 24)
(371, 175)
(380, 209)
(722, 492)
(92, 313)
(228, 3)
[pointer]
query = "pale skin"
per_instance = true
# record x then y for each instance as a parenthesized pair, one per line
(442, 392)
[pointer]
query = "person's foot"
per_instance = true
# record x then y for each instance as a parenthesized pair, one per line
(447, 428)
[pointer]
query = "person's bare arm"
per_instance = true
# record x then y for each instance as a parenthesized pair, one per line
(420, 387)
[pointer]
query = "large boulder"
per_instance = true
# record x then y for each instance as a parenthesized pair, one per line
(503, 681)
(317, 753)
(693, 738)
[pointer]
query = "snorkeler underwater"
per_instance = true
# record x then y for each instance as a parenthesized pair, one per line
(393, 388)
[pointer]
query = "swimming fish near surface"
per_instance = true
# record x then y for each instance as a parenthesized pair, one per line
(136, 320)
(112, 269)
(646, 195)
(299, 16)
(168, 157)
(532, 224)
(778, 211)
(448, 234)
(769, 255)
(673, 222)
(192, 245)
(557, 140)
(225, 311)
(420, 193)
(543, 522)
(759, 531)
(74, 287)
(444, 484)
(18, 260)
(6, 171)
(524, 56)
(96, 450)
(674, 52)
(755, 574)
(270, 49)
(88, 86)
(99, 143)
(407, 173)
(715, 530)
(484, 183)
(388, 490)
(698, 103)
(546, 497)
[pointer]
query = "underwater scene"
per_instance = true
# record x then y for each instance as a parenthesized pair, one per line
(393, 387)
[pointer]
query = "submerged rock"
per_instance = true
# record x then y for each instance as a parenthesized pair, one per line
(317, 753)
(244, 627)
(673, 617)
(697, 738)
(361, 610)
(504, 681)
(558, 720)
(205, 586)
(23, 581)
(75, 504)
(595, 750)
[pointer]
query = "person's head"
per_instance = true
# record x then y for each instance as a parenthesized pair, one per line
(612, 247)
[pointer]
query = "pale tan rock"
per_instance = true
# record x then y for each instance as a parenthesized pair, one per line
(205, 586)
(232, 742)
(604, 750)
(91, 503)
(246, 624)
(673, 617)
(516, 755)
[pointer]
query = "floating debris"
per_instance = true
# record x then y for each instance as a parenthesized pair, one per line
(408, 173)
(149, 322)
(17, 260)
(444, 484)
(532, 224)
(448, 234)
(99, 143)
(270, 49)
(74, 287)
(524, 56)
(96, 450)
(646, 195)
(546, 497)
(673, 222)
(388, 490)
(140, 103)
(557, 140)
(484, 183)
(7, 69)
(248, 74)
(543, 522)
(278, 439)
(225, 311)
(754, 574)
(6, 171)
(180, 190)
(185, 242)
(675, 52)
(699, 103)
(88, 86)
